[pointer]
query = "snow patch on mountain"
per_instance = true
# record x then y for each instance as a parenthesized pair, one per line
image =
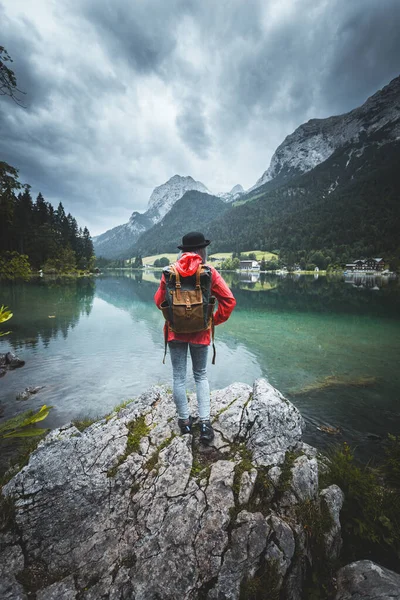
(314, 142)
(233, 195)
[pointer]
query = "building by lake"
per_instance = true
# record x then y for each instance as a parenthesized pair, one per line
(367, 264)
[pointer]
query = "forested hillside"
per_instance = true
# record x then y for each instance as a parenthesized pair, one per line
(193, 212)
(50, 239)
(357, 215)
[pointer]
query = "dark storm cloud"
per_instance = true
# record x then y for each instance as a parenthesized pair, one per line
(140, 32)
(20, 41)
(366, 54)
(119, 91)
(192, 127)
(329, 60)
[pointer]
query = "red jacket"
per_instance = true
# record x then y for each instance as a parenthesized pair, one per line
(187, 265)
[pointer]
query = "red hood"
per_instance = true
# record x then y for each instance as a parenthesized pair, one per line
(188, 264)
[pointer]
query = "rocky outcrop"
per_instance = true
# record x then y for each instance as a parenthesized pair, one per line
(131, 509)
(9, 361)
(363, 580)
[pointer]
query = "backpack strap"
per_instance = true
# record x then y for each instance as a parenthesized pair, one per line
(198, 273)
(212, 337)
(165, 341)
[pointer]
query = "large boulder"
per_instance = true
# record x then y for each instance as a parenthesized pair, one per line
(128, 508)
(363, 580)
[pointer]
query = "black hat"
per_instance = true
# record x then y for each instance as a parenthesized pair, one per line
(193, 240)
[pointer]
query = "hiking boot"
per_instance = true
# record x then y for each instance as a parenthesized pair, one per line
(185, 425)
(206, 432)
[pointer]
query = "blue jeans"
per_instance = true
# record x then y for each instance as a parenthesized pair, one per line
(198, 353)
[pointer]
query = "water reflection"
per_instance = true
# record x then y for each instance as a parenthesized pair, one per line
(249, 277)
(373, 282)
(46, 307)
(304, 293)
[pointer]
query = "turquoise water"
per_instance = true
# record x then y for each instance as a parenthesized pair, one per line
(332, 346)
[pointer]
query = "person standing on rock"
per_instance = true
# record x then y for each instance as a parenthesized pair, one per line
(187, 291)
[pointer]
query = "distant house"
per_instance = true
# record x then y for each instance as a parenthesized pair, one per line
(380, 264)
(248, 265)
(350, 267)
(367, 264)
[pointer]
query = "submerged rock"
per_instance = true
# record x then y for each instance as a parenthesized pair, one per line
(128, 508)
(28, 392)
(9, 361)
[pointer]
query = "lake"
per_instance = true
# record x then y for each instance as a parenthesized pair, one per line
(332, 345)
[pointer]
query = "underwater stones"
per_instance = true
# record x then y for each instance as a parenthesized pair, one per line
(28, 392)
(9, 361)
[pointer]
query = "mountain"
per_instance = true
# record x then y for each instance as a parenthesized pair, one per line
(314, 142)
(332, 185)
(193, 212)
(116, 242)
(233, 195)
(113, 242)
(164, 196)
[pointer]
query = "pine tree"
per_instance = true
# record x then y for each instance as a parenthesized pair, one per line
(9, 184)
(23, 221)
(88, 251)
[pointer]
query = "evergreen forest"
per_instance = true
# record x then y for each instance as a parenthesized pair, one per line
(34, 235)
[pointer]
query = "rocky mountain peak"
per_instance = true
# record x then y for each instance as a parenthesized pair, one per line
(165, 195)
(237, 189)
(233, 195)
(315, 141)
(119, 240)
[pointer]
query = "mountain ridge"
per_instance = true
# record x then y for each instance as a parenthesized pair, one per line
(185, 215)
(117, 241)
(315, 141)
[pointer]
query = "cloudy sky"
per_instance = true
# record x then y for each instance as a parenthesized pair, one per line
(123, 94)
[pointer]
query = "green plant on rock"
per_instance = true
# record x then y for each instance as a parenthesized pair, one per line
(264, 585)
(137, 430)
(370, 516)
(316, 521)
(84, 422)
(122, 405)
(242, 466)
(391, 466)
(19, 426)
(152, 462)
(286, 471)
